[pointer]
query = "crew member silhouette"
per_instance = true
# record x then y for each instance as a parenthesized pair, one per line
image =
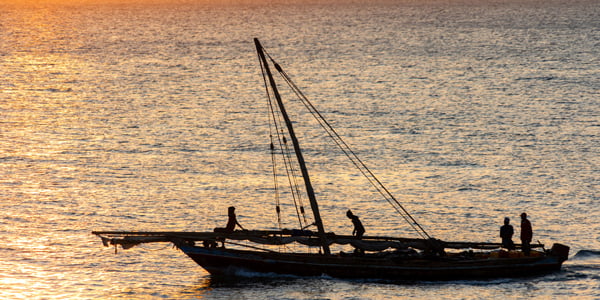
(231, 222)
(359, 229)
(526, 234)
(506, 233)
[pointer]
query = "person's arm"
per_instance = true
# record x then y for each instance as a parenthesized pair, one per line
(238, 224)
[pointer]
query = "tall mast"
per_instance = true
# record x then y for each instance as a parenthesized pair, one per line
(309, 189)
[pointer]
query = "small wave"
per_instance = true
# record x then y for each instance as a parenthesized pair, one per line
(537, 78)
(54, 90)
(252, 274)
(468, 188)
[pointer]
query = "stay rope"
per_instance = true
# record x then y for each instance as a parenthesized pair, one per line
(345, 148)
(287, 161)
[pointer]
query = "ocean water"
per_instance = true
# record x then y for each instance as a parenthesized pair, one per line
(151, 115)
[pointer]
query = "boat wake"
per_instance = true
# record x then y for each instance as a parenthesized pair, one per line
(585, 259)
(585, 264)
(251, 274)
(586, 254)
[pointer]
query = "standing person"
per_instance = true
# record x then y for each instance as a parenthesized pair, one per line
(526, 234)
(231, 222)
(359, 229)
(506, 233)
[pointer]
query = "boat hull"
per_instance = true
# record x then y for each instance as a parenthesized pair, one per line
(228, 262)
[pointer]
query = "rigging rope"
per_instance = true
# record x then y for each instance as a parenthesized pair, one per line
(287, 160)
(345, 148)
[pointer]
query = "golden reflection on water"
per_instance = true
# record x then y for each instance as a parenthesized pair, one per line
(200, 290)
(74, 159)
(42, 73)
(38, 99)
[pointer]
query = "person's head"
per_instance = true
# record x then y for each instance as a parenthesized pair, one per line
(231, 209)
(349, 214)
(506, 221)
(523, 216)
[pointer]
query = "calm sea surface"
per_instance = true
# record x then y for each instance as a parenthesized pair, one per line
(124, 115)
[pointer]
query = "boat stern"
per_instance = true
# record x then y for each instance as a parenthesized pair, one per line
(561, 251)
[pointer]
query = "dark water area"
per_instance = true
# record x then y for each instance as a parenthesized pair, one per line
(151, 115)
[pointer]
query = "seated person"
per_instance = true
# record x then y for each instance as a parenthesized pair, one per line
(231, 222)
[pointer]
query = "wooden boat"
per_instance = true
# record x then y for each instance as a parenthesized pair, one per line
(228, 252)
